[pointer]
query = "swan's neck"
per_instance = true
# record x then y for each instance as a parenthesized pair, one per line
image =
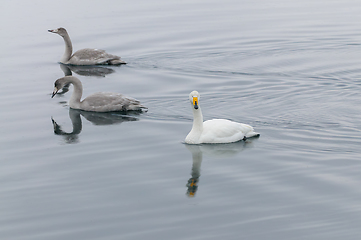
(74, 101)
(68, 49)
(197, 120)
(66, 70)
(195, 134)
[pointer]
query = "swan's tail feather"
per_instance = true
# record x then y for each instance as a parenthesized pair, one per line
(252, 134)
(116, 62)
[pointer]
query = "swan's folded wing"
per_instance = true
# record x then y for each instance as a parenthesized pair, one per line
(108, 102)
(90, 56)
(224, 131)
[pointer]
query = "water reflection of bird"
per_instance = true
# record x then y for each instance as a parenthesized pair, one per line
(214, 150)
(86, 56)
(70, 137)
(197, 157)
(97, 102)
(97, 71)
(94, 117)
(215, 130)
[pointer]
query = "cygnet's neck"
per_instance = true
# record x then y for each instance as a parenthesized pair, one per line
(74, 101)
(66, 70)
(68, 49)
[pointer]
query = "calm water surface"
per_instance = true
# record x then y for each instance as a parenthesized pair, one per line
(291, 69)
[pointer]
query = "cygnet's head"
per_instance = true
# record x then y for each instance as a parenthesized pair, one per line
(59, 84)
(194, 99)
(61, 31)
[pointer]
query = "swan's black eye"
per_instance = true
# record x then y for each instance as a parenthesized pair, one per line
(57, 85)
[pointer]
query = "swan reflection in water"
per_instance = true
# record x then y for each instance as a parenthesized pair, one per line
(94, 117)
(214, 150)
(98, 71)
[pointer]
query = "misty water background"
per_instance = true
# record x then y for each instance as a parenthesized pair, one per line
(291, 69)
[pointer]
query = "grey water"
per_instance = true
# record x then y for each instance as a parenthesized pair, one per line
(291, 69)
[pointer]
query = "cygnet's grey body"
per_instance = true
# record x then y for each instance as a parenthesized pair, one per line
(97, 102)
(86, 56)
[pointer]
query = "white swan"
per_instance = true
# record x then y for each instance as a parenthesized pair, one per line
(97, 102)
(86, 56)
(215, 130)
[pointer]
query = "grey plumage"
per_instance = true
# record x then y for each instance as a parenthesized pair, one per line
(86, 56)
(97, 102)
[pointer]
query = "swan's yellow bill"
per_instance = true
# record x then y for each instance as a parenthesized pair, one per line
(195, 102)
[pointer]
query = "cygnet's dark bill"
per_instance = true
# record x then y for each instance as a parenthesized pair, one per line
(55, 92)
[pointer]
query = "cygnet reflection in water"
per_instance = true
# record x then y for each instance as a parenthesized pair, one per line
(221, 151)
(69, 137)
(93, 117)
(86, 56)
(215, 130)
(97, 102)
(107, 118)
(96, 71)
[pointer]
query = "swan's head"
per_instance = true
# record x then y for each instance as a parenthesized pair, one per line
(194, 99)
(59, 84)
(61, 31)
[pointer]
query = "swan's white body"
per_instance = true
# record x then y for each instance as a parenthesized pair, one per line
(86, 56)
(215, 130)
(97, 102)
